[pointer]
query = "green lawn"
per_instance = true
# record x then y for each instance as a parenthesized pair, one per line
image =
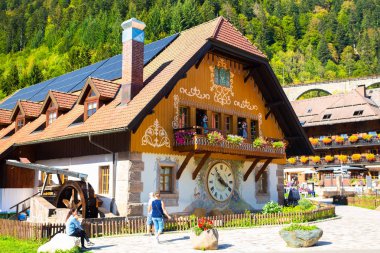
(10, 245)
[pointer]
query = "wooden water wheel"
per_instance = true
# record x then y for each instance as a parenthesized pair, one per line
(79, 195)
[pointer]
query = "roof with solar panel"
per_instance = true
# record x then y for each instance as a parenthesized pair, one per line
(109, 69)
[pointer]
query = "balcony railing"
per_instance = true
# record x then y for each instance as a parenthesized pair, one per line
(336, 161)
(194, 139)
(347, 143)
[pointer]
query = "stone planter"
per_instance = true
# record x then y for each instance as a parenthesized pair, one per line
(207, 240)
(301, 238)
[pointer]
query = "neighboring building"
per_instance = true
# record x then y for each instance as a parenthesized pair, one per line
(344, 129)
(144, 129)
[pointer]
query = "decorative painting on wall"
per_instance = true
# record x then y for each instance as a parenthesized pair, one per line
(156, 136)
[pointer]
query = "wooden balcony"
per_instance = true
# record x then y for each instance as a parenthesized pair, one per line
(347, 144)
(335, 162)
(197, 142)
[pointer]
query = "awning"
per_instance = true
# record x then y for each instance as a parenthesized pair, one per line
(47, 169)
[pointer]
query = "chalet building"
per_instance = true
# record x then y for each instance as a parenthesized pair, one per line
(343, 129)
(168, 116)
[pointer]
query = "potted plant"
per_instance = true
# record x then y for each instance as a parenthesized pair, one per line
(292, 160)
(353, 138)
(304, 159)
(235, 139)
(356, 157)
(367, 137)
(313, 141)
(258, 142)
(326, 140)
(278, 144)
(370, 157)
(329, 158)
(215, 137)
(183, 136)
(342, 158)
(204, 236)
(339, 140)
(298, 236)
(316, 159)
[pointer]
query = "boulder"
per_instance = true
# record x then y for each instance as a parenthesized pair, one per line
(199, 212)
(215, 212)
(207, 240)
(301, 238)
(60, 241)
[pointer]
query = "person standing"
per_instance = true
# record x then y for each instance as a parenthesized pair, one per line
(149, 221)
(158, 211)
(74, 228)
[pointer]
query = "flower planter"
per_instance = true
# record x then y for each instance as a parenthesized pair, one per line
(207, 240)
(301, 238)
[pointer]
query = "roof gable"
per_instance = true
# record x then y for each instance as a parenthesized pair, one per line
(63, 101)
(28, 109)
(104, 89)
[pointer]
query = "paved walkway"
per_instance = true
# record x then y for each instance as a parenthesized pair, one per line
(358, 230)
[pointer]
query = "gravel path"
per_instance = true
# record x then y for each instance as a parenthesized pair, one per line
(356, 230)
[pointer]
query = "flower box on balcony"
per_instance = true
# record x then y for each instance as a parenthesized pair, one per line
(367, 137)
(327, 141)
(353, 138)
(304, 159)
(339, 140)
(356, 157)
(314, 141)
(370, 157)
(342, 158)
(292, 160)
(329, 158)
(316, 159)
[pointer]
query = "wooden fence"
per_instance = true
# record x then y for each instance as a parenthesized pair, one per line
(371, 203)
(121, 225)
(29, 230)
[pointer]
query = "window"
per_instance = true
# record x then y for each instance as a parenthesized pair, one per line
(228, 124)
(222, 76)
(262, 184)
(91, 93)
(166, 175)
(215, 120)
(309, 110)
(52, 116)
(254, 129)
(184, 117)
(326, 116)
(91, 108)
(104, 179)
(19, 124)
(358, 113)
(242, 127)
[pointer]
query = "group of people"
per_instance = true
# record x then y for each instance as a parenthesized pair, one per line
(156, 213)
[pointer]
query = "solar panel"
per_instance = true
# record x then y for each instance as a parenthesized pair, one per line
(109, 69)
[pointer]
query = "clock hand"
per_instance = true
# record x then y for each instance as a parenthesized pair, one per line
(221, 180)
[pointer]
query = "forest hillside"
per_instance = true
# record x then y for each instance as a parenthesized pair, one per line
(305, 40)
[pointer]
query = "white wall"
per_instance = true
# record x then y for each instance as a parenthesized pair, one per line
(11, 196)
(88, 165)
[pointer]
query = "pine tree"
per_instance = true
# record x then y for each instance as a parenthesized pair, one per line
(323, 52)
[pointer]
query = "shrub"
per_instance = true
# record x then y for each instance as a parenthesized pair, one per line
(294, 227)
(278, 144)
(215, 137)
(305, 204)
(353, 138)
(272, 207)
(292, 160)
(235, 139)
(304, 159)
(356, 157)
(259, 142)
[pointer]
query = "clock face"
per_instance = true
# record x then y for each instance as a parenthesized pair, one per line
(220, 182)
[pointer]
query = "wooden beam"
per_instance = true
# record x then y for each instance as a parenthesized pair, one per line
(253, 165)
(268, 113)
(199, 62)
(59, 179)
(265, 165)
(184, 164)
(274, 104)
(45, 182)
(248, 76)
(200, 165)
